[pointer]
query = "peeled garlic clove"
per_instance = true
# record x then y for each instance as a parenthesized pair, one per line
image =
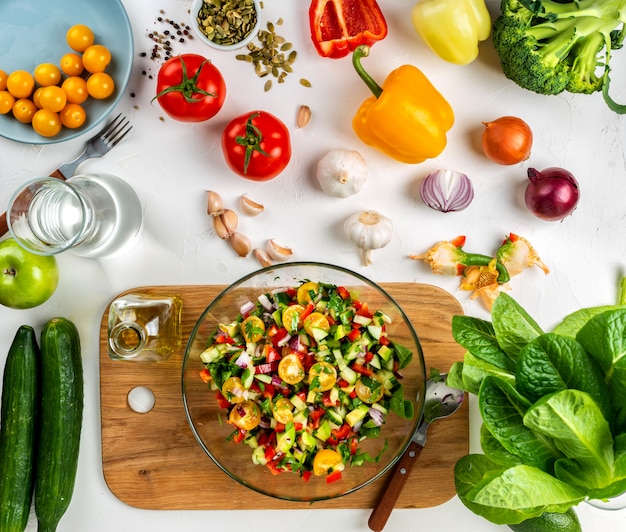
(241, 244)
(277, 251)
(225, 224)
(215, 205)
(250, 207)
(303, 117)
(263, 257)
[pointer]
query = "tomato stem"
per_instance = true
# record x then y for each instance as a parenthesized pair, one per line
(251, 141)
(188, 86)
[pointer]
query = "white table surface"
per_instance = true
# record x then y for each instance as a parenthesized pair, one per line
(171, 165)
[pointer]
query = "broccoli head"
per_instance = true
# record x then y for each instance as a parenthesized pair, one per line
(550, 46)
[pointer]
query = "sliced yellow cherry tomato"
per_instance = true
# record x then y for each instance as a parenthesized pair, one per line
(245, 415)
(369, 388)
(52, 98)
(100, 85)
(6, 102)
(326, 461)
(73, 115)
(20, 83)
(46, 123)
(252, 329)
(282, 410)
(316, 320)
(322, 377)
(3, 80)
(96, 58)
(290, 369)
(71, 64)
(307, 291)
(75, 89)
(233, 390)
(291, 318)
(23, 110)
(79, 37)
(47, 74)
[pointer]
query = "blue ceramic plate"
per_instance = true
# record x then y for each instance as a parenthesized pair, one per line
(33, 32)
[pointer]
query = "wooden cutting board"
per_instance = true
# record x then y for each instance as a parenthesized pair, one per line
(152, 460)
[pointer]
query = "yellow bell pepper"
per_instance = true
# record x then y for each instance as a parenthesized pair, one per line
(406, 118)
(452, 28)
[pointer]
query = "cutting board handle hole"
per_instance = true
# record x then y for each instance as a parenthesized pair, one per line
(141, 399)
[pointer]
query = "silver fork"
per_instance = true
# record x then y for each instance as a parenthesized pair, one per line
(97, 146)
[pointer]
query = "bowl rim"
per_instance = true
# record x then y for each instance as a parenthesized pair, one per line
(195, 7)
(420, 401)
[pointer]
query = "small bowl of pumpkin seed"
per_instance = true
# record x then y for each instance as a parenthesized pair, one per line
(226, 24)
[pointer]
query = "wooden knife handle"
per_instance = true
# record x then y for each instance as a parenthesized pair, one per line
(4, 228)
(387, 501)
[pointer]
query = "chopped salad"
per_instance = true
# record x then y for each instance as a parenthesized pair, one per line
(304, 374)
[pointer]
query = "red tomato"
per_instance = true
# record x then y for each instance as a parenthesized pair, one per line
(190, 88)
(257, 146)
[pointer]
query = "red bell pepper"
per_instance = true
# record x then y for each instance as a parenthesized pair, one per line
(339, 26)
(333, 477)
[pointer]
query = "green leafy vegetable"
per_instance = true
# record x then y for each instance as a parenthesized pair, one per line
(510, 496)
(503, 411)
(554, 422)
(513, 326)
(551, 363)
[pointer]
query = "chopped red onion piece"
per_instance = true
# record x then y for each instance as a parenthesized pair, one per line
(243, 360)
(377, 416)
(246, 307)
(447, 190)
(265, 302)
(284, 340)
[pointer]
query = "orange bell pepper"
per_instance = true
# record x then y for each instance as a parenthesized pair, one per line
(406, 118)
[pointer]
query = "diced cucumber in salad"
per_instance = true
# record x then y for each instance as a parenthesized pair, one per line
(305, 374)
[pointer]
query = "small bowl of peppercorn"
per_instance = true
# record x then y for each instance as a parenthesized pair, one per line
(226, 25)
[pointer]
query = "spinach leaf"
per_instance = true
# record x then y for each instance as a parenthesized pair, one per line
(503, 409)
(575, 321)
(494, 450)
(479, 338)
(510, 496)
(472, 372)
(551, 363)
(604, 338)
(513, 326)
(573, 420)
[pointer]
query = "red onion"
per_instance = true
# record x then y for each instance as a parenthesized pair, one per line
(447, 190)
(552, 194)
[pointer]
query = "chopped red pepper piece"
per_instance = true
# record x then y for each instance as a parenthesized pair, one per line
(354, 335)
(333, 477)
(343, 292)
(205, 375)
(360, 368)
(222, 402)
(339, 26)
(239, 435)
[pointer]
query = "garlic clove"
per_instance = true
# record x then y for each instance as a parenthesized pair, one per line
(225, 224)
(241, 244)
(303, 117)
(215, 206)
(250, 207)
(277, 251)
(263, 257)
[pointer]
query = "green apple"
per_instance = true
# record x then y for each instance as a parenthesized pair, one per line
(26, 279)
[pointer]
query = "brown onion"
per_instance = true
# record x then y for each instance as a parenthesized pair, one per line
(507, 140)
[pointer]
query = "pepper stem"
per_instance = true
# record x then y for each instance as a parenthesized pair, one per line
(359, 52)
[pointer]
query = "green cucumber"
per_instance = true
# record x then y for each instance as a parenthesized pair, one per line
(61, 421)
(18, 430)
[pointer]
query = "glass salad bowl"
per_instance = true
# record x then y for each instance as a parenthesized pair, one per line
(315, 396)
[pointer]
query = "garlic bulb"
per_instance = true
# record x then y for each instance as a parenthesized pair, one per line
(342, 173)
(368, 230)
